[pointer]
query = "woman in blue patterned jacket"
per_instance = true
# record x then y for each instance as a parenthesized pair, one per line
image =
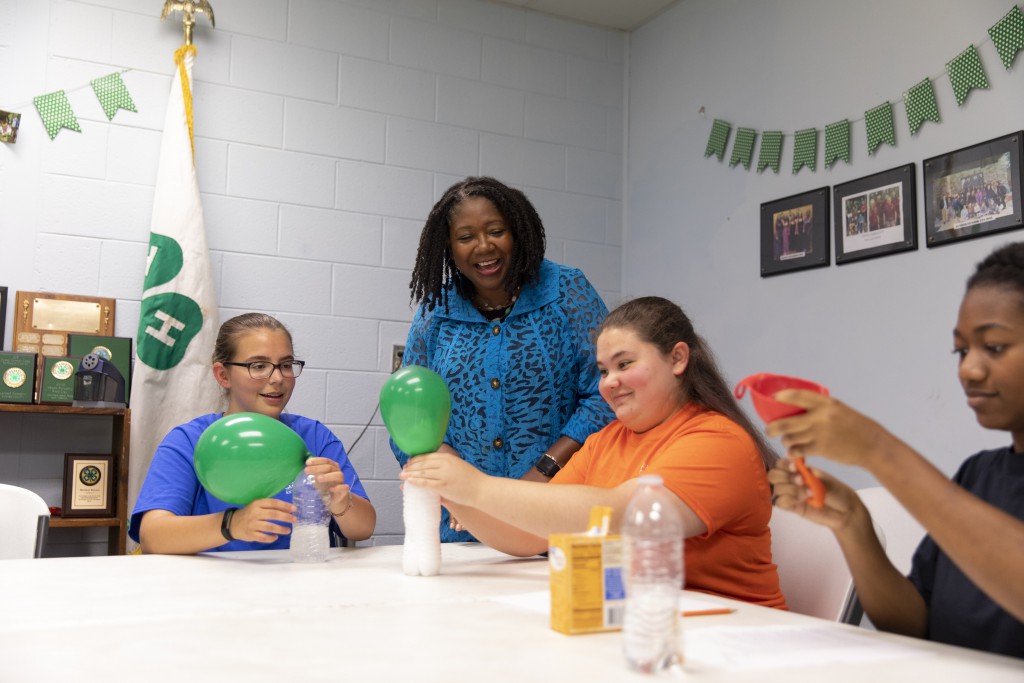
(510, 332)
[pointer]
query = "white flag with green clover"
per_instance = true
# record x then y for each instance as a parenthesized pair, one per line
(172, 382)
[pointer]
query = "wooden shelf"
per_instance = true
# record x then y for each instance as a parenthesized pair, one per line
(83, 521)
(59, 410)
(119, 443)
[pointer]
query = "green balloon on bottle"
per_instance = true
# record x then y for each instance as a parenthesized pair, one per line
(246, 456)
(416, 406)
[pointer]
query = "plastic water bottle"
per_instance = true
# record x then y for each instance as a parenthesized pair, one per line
(421, 512)
(309, 541)
(652, 535)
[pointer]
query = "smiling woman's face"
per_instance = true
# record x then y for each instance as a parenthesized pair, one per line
(481, 245)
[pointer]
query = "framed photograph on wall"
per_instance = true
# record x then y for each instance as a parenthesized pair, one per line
(794, 233)
(875, 215)
(973, 191)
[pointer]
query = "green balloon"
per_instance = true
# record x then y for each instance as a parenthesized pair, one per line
(416, 405)
(246, 456)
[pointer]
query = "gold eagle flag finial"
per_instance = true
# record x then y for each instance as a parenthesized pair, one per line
(188, 8)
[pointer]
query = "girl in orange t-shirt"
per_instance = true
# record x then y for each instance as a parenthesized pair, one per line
(675, 416)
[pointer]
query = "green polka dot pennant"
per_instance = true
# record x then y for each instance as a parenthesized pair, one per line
(719, 136)
(743, 148)
(771, 150)
(966, 73)
(880, 128)
(1008, 36)
(112, 94)
(55, 111)
(805, 149)
(837, 142)
(920, 105)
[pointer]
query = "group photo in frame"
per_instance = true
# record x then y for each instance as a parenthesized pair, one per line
(794, 232)
(973, 191)
(875, 215)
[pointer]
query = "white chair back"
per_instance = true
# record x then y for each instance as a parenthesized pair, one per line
(902, 533)
(26, 519)
(812, 571)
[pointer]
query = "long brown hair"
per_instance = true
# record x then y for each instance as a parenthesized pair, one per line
(662, 323)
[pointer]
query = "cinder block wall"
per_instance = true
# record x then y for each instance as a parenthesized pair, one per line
(325, 130)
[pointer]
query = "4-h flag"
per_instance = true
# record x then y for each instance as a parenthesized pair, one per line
(172, 382)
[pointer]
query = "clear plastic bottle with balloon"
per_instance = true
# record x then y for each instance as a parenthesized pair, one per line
(416, 406)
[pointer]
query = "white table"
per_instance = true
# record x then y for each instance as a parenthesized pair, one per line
(356, 618)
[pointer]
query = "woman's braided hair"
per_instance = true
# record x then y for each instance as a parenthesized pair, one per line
(435, 274)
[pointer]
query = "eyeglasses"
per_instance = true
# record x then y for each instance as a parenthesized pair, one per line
(263, 369)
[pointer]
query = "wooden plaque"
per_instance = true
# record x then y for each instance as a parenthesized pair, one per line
(88, 485)
(43, 320)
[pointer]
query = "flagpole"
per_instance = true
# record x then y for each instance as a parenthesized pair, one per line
(179, 317)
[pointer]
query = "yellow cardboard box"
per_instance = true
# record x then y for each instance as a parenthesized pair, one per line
(588, 593)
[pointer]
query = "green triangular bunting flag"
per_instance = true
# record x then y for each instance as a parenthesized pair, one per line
(719, 136)
(880, 126)
(837, 142)
(55, 111)
(805, 149)
(743, 148)
(966, 73)
(112, 94)
(1008, 35)
(920, 105)
(771, 151)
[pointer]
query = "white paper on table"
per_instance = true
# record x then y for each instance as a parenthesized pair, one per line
(759, 647)
(540, 601)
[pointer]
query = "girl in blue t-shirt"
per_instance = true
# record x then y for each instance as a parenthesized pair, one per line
(254, 362)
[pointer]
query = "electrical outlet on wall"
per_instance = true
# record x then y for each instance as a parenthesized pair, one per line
(396, 357)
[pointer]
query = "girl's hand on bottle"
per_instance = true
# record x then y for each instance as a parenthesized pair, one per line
(330, 480)
(257, 521)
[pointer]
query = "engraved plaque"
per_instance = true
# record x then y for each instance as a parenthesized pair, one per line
(42, 321)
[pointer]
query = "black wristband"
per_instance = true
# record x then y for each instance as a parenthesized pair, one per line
(225, 523)
(548, 466)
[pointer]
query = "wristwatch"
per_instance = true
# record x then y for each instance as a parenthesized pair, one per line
(548, 466)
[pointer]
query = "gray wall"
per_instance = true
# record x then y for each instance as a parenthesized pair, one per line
(325, 130)
(877, 332)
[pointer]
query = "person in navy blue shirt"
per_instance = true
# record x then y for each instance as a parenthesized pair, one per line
(254, 362)
(965, 586)
(510, 332)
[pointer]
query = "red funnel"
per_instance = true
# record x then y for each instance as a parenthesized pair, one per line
(763, 387)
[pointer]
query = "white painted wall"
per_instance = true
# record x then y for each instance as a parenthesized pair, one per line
(325, 130)
(877, 332)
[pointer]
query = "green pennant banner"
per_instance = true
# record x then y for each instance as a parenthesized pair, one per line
(805, 149)
(837, 142)
(55, 111)
(112, 94)
(719, 136)
(880, 128)
(966, 73)
(920, 104)
(743, 148)
(771, 150)
(1008, 36)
